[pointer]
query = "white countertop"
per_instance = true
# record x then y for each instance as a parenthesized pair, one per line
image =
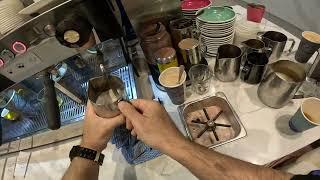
(268, 134)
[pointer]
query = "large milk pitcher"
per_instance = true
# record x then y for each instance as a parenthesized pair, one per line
(280, 83)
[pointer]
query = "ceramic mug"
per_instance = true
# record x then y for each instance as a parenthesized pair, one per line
(307, 116)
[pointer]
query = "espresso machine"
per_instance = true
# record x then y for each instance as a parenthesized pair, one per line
(46, 62)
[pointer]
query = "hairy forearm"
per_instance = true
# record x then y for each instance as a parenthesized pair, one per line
(208, 164)
(82, 169)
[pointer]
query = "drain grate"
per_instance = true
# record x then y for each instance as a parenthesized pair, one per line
(70, 111)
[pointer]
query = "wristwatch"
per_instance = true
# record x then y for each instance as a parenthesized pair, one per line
(78, 151)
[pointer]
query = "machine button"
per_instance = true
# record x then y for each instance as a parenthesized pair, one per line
(1, 63)
(19, 47)
(50, 30)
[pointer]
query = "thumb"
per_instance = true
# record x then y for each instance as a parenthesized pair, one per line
(130, 112)
(89, 109)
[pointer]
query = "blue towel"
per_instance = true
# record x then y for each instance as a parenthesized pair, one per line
(133, 150)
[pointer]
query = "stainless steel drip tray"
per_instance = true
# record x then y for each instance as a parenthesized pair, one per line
(211, 121)
(70, 111)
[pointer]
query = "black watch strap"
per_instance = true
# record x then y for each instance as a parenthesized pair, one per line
(78, 151)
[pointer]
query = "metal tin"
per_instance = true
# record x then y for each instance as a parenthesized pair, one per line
(98, 86)
(220, 100)
(190, 50)
(165, 58)
(227, 65)
(280, 83)
(277, 42)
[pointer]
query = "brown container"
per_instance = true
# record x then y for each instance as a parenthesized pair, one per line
(154, 37)
(180, 29)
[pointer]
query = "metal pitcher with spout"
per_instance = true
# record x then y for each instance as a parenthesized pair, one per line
(280, 83)
(277, 42)
(105, 92)
(254, 45)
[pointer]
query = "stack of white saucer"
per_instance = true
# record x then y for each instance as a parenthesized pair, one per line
(10, 18)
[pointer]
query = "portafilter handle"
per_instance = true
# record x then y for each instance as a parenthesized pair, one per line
(50, 102)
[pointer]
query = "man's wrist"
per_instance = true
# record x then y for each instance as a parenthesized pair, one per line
(175, 145)
(93, 146)
(85, 161)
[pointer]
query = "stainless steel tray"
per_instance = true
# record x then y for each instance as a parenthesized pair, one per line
(221, 101)
(70, 111)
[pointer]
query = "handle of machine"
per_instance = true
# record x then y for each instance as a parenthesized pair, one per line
(292, 45)
(298, 96)
(268, 51)
(245, 72)
(260, 34)
(51, 103)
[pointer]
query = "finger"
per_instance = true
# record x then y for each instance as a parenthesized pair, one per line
(115, 121)
(90, 112)
(133, 133)
(129, 125)
(140, 104)
(130, 112)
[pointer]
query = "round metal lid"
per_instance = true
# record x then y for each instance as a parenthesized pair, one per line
(165, 54)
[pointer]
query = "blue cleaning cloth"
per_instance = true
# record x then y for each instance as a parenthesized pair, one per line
(133, 150)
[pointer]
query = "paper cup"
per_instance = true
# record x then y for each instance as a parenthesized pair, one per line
(307, 116)
(309, 44)
(169, 80)
(255, 12)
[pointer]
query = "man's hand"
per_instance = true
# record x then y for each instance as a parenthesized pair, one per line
(151, 123)
(97, 131)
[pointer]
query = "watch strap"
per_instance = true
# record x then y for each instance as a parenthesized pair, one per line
(78, 151)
